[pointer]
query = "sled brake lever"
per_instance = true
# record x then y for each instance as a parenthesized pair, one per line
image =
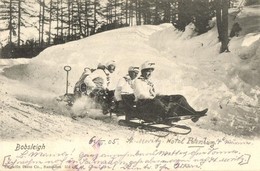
(67, 68)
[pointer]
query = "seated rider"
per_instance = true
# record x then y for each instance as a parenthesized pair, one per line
(99, 83)
(124, 87)
(80, 86)
(100, 78)
(164, 105)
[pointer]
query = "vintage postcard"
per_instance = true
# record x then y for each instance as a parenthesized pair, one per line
(156, 85)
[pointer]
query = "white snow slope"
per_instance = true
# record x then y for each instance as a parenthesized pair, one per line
(228, 83)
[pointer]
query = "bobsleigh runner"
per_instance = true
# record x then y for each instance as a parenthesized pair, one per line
(159, 123)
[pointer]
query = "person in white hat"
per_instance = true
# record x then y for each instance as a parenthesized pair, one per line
(100, 78)
(124, 88)
(143, 87)
(167, 105)
(124, 85)
(111, 66)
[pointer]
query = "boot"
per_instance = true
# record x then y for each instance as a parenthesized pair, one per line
(202, 112)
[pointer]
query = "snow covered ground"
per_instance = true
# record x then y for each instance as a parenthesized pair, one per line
(228, 83)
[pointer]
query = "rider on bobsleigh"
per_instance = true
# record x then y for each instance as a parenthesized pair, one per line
(145, 104)
(136, 97)
(96, 85)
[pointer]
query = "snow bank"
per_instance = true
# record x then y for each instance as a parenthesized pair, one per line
(227, 83)
(11, 62)
(126, 46)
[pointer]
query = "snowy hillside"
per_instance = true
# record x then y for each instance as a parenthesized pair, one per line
(228, 84)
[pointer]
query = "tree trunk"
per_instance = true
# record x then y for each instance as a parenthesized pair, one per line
(79, 17)
(43, 18)
(156, 15)
(86, 19)
(225, 40)
(72, 21)
(120, 13)
(40, 19)
(10, 22)
(130, 13)
(126, 12)
(115, 9)
(107, 14)
(218, 5)
(61, 19)
(222, 23)
(19, 23)
(57, 16)
(149, 15)
(69, 21)
(136, 12)
(49, 35)
(139, 12)
(95, 19)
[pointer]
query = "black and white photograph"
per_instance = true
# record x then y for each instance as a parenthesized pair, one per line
(158, 85)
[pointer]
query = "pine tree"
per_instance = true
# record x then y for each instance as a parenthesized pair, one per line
(202, 13)
(166, 7)
(184, 14)
(131, 12)
(107, 13)
(12, 13)
(41, 21)
(96, 7)
(147, 11)
(116, 8)
(12, 17)
(88, 13)
(7, 14)
(126, 11)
